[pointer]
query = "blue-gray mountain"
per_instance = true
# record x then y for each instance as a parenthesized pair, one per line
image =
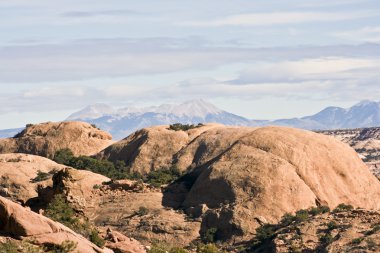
(121, 122)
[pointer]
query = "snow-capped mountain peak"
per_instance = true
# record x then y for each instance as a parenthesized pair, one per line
(92, 112)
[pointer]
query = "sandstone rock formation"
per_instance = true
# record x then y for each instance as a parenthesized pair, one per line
(239, 177)
(18, 222)
(47, 138)
(151, 148)
(21, 175)
(268, 171)
(130, 207)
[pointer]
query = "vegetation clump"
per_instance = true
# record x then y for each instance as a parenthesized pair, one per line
(60, 210)
(210, 235)
(183, 127)
(42, 176)
(163, 176)
(117, 170)
(343, 208)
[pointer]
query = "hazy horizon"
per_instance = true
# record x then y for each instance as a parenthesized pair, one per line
(258, 59)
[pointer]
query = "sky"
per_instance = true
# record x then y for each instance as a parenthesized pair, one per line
(262, 59)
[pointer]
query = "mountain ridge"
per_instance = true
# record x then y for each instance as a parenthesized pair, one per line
(121, 122)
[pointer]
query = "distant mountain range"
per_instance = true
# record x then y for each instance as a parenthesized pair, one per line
(121, 122)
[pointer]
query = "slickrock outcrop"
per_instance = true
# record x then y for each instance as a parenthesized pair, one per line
(20, 223)
(151, 148)
(21, 175)
(239, 178)
(47, 138)
(246, 176)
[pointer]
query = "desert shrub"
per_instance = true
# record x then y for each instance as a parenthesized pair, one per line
(60, 210)
(117, 170)
(9, 247)
(178, 250)
(208, 248)
(343, 208)
(142, 211)
(209, 235)
(65, 247)
(357, 241)
(287, 219)
(264, 233)
(183, 127)
(301, 215)
(318, 210)
(159, 248)
(96, 239)
(326, 239)
(163, 176)
(332, 225)
(375, 229)
(41, 176)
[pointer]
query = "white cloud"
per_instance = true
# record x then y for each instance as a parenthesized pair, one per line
(281, 18)
(366, 34)
(329, 68)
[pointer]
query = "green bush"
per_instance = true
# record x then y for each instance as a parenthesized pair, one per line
(9, 247)
(65, 247)
(142, 211)
(96, 239)
(287, 219)
(41, 176)
(117, 170)
(357, 241)
(343, 208)
(332, 225)
(264, 233)
(208, 248)
(210, 235)
(163, 176)
(319, 210)
(301, 215)
(326, 239)
(60, 210)
(183, 127)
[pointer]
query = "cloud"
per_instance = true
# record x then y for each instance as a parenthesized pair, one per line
(87, 14)
(366, 34)
(317, 69)
(280, 18)
(124, 57)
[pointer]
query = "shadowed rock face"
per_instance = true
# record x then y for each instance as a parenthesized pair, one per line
(47, 138)
(246, 175)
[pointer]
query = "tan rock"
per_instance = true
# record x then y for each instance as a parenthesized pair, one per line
(151, 148)
(47, 138)
(19, 222)
(17, 172)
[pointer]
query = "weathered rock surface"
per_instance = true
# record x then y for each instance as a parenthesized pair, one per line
(47, 138)
(243, 174)
(131, 207)
(19, 223)
(18, 173)
(151, 148)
